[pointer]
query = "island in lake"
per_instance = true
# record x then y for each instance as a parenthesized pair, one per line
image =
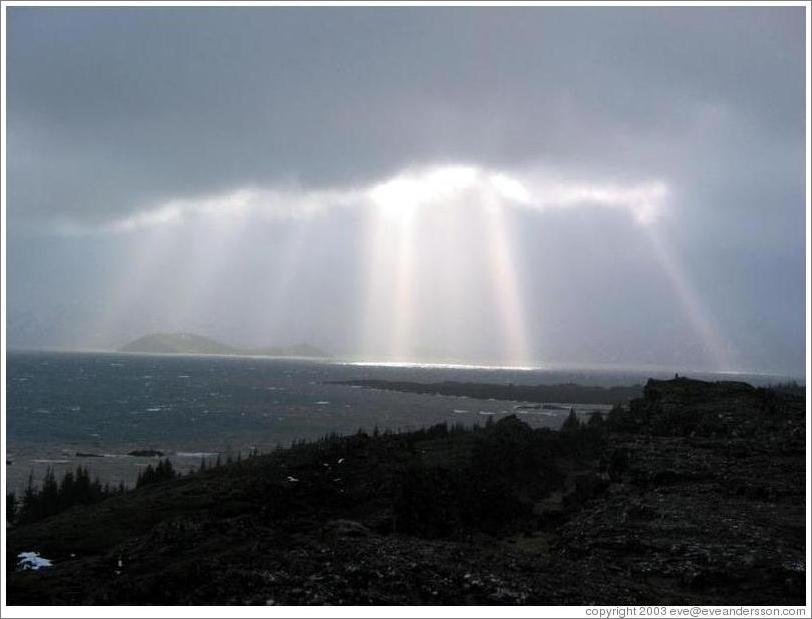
(193, 344)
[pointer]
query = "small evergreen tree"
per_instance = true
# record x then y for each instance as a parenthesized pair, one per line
(11, 507)
(49, 494)
(30, 510)
(82, 486)
(75, 488)
(67, 491)
(571, 423)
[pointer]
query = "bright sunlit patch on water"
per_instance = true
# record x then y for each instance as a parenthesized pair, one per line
(439, 366)
(197, 454)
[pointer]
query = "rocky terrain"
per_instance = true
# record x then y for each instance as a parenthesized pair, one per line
(692, 494)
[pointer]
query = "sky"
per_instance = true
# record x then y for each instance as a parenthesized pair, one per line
(524, 186)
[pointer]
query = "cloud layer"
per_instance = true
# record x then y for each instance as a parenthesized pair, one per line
(250, 126)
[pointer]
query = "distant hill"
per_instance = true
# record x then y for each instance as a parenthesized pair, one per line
(193, 344)
(178, 343)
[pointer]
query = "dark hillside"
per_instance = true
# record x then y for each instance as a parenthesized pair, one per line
(693, 494)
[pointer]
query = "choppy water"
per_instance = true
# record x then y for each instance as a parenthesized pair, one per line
(61, 404)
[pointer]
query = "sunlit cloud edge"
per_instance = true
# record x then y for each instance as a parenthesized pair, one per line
(416, 187)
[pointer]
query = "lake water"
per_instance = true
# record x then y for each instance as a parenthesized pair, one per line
(108, 404)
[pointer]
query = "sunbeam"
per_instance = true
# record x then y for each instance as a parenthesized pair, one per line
(505, 284)
(378, 265)
(218, 234)
(150, 254)
(718, 353)
(405, 298)
(282, 266)
(432, 237)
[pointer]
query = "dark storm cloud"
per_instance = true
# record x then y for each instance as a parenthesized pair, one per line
(112, 111)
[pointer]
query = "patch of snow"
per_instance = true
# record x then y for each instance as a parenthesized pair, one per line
(32, 561)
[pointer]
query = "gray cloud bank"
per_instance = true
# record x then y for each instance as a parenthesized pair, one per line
(113, 112)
